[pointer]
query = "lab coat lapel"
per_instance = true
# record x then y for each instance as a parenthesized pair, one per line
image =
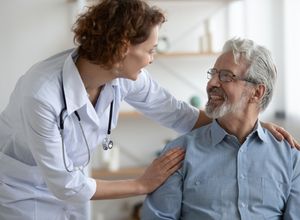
(106, 96)
(75, 92)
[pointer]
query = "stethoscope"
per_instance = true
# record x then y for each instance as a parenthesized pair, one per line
(107, 143)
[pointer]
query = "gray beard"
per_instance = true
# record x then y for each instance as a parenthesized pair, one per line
(215, 112)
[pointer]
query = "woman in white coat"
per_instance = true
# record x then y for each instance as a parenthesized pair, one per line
(65, 106)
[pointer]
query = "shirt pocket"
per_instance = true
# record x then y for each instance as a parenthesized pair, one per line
(267, 194)
(210, 192)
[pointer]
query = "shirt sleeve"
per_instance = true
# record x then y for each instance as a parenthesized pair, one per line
(165, 202)
(292, 210)
(44, 140)
(158, 104)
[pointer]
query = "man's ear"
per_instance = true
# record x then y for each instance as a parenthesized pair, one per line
(258, 93)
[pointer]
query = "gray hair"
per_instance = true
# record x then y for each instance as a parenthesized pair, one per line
(261, 68)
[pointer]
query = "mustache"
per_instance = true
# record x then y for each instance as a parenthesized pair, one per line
(216, 91)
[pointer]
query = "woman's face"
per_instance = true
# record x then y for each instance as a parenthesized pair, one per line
(139, 56)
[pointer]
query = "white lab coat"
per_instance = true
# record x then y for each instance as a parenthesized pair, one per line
(33, 181)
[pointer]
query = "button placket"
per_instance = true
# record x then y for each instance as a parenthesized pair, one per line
(241, 177)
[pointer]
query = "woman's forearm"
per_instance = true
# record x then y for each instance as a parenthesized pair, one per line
(155, 174)
(202, 120)
(117, 189)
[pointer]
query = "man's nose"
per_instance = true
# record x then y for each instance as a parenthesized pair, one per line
(214, 80)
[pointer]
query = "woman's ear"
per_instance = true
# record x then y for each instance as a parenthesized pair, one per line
(259, 91)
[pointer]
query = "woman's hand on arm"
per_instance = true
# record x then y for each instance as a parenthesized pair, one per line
(158, 171)
(280, 133)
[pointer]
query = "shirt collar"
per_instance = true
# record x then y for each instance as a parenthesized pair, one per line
(259, 131)
(75, 93)
(114, 82)
(218, 133)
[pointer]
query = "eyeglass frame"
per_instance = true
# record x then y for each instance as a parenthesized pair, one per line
(230, 74)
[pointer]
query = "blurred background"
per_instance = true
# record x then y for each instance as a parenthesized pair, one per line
(189, 43)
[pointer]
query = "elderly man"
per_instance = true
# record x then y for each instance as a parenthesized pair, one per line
(233, 168)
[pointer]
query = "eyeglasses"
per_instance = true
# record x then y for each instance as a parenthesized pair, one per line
(226, 75)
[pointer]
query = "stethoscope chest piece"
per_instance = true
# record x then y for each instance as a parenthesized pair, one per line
(107, 143)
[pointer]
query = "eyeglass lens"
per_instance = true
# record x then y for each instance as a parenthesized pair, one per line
(224, 75)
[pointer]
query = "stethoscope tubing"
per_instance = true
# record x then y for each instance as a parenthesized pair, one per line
(107, 143)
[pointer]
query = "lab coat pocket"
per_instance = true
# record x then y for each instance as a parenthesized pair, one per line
(18, 179)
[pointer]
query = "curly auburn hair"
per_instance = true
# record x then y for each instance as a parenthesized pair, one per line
(106, 30)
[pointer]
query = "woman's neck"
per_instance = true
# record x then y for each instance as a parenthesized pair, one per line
(93, 77)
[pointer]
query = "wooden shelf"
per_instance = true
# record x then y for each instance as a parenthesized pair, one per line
(130, 114)
(122, 173)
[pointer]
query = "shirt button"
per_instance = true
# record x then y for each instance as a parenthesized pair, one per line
(243, 176)
(244, 205)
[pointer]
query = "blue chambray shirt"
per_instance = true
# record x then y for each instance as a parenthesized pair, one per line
(224, 180)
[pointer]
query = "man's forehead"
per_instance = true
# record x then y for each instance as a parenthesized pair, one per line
(226, 61)
(226, 58)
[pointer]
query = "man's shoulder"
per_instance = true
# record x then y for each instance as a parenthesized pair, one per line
(269, 137)
(283, 147)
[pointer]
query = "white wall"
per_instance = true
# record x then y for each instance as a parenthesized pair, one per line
(264, 24)
(31, 30)
(292, 70)
(274, 23)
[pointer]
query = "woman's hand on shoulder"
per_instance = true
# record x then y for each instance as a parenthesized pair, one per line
(280, 133)
(160, 169)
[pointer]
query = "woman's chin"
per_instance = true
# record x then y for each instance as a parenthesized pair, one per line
(131, 76)
(135, 76)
